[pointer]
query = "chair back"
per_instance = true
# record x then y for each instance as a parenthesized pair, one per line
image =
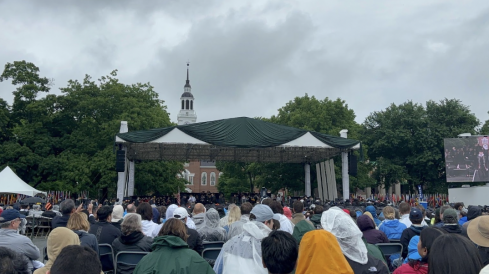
(217, 244)
(396, 241)
(128, 258)
(211, 253)
(106, 255)
(390, 248)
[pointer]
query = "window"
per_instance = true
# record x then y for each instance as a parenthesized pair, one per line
(183, 104)
(192, 104)
(187, 104)
(191, 180)
(203, 180)
(213, 179)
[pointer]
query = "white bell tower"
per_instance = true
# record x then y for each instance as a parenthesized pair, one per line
(187, 114)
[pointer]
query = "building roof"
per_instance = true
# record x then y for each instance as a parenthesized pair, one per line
(187, 95)
(236, 139)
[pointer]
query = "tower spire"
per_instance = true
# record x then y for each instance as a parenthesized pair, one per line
(187, 83)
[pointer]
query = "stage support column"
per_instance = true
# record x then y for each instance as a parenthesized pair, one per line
(121, 176)
(307, 170)
(344, 169)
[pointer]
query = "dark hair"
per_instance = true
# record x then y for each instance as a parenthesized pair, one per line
(457, 205)
(146, 211)
(12, 262)
(437, 216)
(404, 208)
(318, 209)
(66, 206)
(266, 201)
(276, 224)
(298, 207)
(77, 259)
(279, 252)
(246, 208)
(103, 213)
(453, 254)
(276, 207)
(427, 238)
(174, 227)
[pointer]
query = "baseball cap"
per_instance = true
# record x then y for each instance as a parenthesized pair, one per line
(10, 214)
(415, 214)
(180, 213)
(262, 213)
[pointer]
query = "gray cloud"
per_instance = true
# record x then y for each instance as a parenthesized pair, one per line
(251, 58)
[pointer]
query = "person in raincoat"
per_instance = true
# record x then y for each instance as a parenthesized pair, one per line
(171, 254)
(211, 231)
(350, 240)
(391, 226)
(318, 247)
(242, 253)
(372, 211)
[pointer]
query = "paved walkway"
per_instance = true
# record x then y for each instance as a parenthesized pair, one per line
(41, 243)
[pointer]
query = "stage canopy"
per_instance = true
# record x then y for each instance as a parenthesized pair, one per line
(239, 139)
(11, 183)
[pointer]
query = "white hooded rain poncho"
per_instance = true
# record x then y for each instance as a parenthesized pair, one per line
(242, 253)
(347, 233)
(211, 231)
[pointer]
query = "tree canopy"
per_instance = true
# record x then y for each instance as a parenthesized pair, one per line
(406, 141)
(66, 142)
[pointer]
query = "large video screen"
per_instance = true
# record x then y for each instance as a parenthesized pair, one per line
(467, 159)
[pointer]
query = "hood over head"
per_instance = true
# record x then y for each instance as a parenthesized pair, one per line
(58, 239)
(347, 233)
(211, 218)
(300, 229)
(473, 212)
(372, 210)
(364, 222)
(117, 213)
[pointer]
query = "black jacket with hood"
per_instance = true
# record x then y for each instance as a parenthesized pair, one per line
(136, 241)
(406, 236)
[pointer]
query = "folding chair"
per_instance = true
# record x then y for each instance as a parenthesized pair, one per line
(390, 248)
(128, 258)
(217, 244)
(44, 223)
(394, 241)
(106, 255)
(31, 225)
(211, 253)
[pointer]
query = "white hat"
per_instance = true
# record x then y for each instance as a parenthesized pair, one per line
(180, 213)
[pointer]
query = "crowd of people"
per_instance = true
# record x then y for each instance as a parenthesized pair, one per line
(267, 237)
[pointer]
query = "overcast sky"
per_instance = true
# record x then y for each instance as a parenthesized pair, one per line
(249, 58)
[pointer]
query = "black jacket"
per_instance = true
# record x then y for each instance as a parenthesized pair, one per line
(135, 241)
(87, 239)
(194, 240)
(62, 221)
(105, 233)
(49, 214)
(406, 236)
(455, 228)
(373, 265)
(117, 224)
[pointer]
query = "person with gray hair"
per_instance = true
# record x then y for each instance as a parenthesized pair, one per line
(56, 210)
(131, 239)
(67, 207)
(36, 211)
(9, 237)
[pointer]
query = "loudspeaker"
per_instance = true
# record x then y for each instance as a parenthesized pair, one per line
(352, 164)
(120, 161)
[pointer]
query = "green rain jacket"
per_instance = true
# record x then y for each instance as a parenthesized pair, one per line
(171, 255)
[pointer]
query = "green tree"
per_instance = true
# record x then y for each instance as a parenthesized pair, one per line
(66, 142)
(406, 141)
(485, 128)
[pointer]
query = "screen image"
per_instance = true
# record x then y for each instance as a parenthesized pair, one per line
(467, 159)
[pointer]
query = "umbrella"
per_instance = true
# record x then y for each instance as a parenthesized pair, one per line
(32, 200)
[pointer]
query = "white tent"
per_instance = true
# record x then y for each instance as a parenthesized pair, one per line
(11, 183)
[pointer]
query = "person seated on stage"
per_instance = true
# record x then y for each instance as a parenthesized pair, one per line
(49, 213)
(75, 259)
(35, 212)
(10, 220)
